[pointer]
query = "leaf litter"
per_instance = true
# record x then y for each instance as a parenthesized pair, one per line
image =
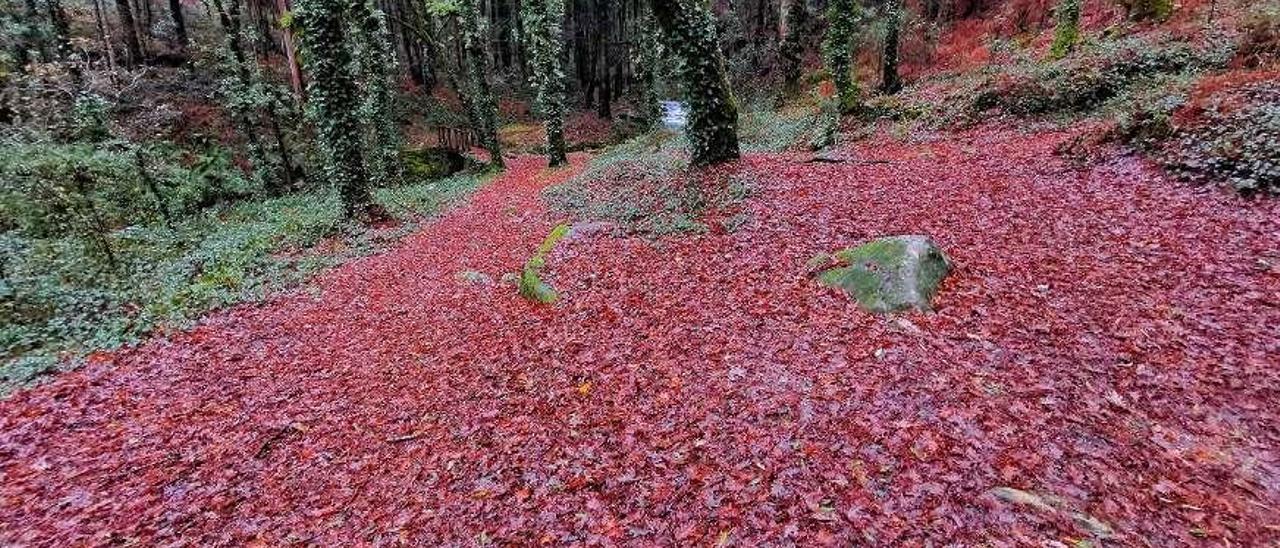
(702, 389)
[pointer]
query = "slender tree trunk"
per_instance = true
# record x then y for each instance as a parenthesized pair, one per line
(291, 56)
(605, 60)
(104, 35)
(249, 120)
(689, 31)
(61, 26)
(286, 159)
(149, 20)
(150, 183)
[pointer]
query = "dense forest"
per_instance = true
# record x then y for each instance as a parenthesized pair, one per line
(643, 272)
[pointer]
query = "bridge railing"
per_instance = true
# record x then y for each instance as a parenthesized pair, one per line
(457, 139)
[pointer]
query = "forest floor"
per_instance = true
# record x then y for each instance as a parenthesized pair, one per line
(1102, 367)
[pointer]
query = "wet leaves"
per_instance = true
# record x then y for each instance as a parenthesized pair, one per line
(702, 389)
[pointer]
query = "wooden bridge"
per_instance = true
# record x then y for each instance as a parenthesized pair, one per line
(457, 139)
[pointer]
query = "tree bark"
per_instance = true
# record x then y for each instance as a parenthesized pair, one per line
(291, 56)
(891, 81)
(105, 37)
(133, 48)
(179, 22)
(334, 95)
(689, 31)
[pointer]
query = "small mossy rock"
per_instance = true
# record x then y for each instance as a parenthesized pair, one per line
(890, 274)
(433, 163)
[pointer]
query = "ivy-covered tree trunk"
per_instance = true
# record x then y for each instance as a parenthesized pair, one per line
(376, 63)
(1067, 32)
(891, 81)
(842, 20)
(482, 106)
(334, 102)
(648, 57)
(543, 22)
(690, 34)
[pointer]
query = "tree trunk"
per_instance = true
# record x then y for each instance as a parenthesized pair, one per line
(543, 21)
(179, 22)
(891, 81)
(61, 27)
(291, 55)
(482, 105)
(105, 37)
(334, 96)
(604, 58)
(129, 29)
(689, 30)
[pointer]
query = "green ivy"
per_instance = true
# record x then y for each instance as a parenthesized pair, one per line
(648, 59)
(348, 54)
(1067, 33)
(892, 81)
(843, 17)
(375, 63)
(544, 25)
(689, 31)
(478, 98)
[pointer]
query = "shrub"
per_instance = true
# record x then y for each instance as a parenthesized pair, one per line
(56, 293)
(1231, 137)
(51, 189)
(1084, 82)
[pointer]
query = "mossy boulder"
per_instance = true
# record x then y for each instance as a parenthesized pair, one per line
(432, 163)
(890, 274)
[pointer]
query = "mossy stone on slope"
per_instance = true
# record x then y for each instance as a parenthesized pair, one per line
(432, 163)
(890, 274)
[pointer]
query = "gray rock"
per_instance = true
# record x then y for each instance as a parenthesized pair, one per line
(890, 274)
(474, 278)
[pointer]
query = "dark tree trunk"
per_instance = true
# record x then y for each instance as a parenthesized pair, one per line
(604, 58)
(61, 26)
(130, 31)
(890, 81)
(179, 22)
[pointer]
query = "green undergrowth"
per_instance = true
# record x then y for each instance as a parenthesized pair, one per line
(644, 187)
(60, 297)
(1102, 72)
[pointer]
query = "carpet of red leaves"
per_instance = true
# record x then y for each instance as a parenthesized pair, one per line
(1109, 337)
